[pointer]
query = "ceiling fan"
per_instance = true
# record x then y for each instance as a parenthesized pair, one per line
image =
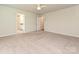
(40, 6)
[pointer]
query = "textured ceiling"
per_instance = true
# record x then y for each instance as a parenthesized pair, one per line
(32, 7)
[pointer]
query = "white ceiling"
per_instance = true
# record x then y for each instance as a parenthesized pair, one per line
(32, 7)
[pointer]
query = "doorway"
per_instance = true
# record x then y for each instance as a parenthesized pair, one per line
(20, 23)
(40, 23)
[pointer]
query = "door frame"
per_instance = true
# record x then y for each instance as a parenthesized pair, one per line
(39, 23)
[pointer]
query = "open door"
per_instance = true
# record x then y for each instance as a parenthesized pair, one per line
(40, 23)
(20, 23)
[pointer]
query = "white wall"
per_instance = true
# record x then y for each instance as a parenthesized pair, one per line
(30, 22)
(64, 21)
(8, 21)
(38, 22)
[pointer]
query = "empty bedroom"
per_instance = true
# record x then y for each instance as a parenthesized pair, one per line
(39, 28)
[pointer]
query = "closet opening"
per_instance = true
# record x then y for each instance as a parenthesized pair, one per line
(20, 23)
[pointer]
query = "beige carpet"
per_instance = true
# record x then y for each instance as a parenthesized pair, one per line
(39, 42)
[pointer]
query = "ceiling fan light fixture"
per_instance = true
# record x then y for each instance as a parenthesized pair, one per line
(38, 8)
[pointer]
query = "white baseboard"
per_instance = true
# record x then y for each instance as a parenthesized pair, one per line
(7, 35)
(15, 33)
(77, 36)
(46, 31)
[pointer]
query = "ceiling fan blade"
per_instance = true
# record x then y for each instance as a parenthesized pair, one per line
(43, 6)
(39, 7)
